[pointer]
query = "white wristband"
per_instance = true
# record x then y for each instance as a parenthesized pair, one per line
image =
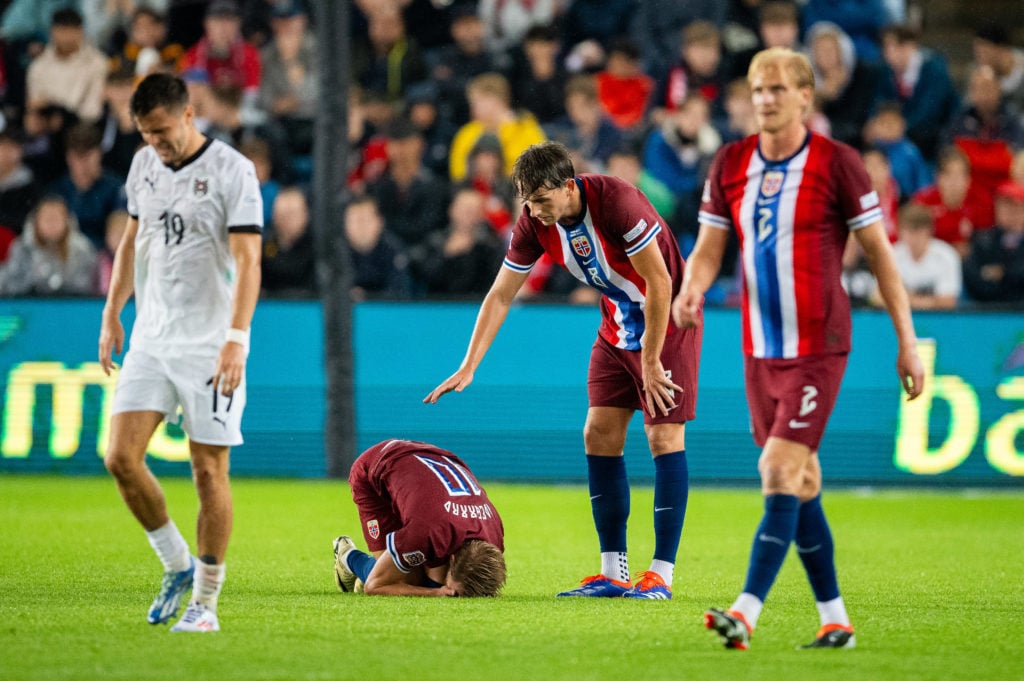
(238, 336)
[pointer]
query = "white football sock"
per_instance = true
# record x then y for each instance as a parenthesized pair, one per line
(664, 569)
(170, 547)
(209, 580)
(615, 565)
(833, 612)
(750, 605)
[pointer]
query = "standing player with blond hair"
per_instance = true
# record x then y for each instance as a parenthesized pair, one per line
(191, 256)
(793, 198)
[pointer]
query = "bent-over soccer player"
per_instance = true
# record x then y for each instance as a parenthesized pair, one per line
(429, 527)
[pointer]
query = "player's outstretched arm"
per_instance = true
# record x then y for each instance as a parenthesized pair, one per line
(879, 256)
(122, 283)
(387, 580)
(701, 269)
(492, 315)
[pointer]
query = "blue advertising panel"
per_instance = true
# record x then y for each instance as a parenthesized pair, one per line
(522, 417)
(56, 398)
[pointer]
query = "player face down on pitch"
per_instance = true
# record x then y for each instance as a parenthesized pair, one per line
(429, 527)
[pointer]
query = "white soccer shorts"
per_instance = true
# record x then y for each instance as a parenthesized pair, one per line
(150, 383)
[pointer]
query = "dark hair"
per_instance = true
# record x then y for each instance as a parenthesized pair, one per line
(147, 11)
(540, 33)
(66, 17)
(81, 138)
(159, 90)
(993, 32)
(479, 567)
(779, 12)
(901, 33)
(543, 166)
(229, 95)
(626, 48)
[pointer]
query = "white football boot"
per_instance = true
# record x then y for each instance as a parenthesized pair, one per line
(198, 618)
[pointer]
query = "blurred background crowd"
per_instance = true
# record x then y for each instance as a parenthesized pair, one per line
(443, 96)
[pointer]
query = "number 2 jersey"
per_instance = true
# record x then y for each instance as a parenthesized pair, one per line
(184, 270)
(618, 221)
(793, 218)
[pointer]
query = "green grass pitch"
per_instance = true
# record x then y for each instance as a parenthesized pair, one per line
(932, 580)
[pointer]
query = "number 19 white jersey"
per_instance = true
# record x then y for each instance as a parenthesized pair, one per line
(184, 270)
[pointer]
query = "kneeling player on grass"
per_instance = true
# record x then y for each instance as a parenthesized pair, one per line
(429, 527)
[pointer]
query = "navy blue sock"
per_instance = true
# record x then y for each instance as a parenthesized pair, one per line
(816, 550)
(771, 543)
(671, 488)
(609, 500)
(361, 563)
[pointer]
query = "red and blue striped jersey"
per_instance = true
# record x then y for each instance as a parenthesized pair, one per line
(618, 221)
(793, 218)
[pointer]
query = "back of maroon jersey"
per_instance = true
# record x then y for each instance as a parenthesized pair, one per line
(439, 500)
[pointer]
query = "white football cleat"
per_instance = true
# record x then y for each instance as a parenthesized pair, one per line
(198, 618)
(343, 575)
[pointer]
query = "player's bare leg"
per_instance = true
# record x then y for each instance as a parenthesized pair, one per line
(126, 460)
(130, 433)
(210, 465)
(604, 436)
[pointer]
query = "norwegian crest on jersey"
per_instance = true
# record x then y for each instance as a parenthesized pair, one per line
(772, 182)
(581, 245)
(200, 187)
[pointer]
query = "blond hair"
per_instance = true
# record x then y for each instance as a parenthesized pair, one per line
(493, 84)
(479, 567)
(794, 63)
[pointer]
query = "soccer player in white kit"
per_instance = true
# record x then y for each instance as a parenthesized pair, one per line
(191, 255)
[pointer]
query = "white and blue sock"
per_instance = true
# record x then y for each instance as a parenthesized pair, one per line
(816, 549)
(671, 490)
(609, 502)
(361, 563)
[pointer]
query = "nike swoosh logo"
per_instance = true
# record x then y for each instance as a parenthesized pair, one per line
(596, 496)
(769, 538)
(587, 262)
(665, 508)
(794, 424)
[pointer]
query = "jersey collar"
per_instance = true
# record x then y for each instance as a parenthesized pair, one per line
(583, 213)
(193, 157)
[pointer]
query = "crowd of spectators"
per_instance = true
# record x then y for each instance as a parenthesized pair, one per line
(443, 96)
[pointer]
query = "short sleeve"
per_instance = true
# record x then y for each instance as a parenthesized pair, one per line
(714, 211)
(629, 212)
(244, 203)
(524, 249)
(131, 199)
(858, 201)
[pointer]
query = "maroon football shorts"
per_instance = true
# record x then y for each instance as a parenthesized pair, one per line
(615, 378)
(376, 516)
(792, 398)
